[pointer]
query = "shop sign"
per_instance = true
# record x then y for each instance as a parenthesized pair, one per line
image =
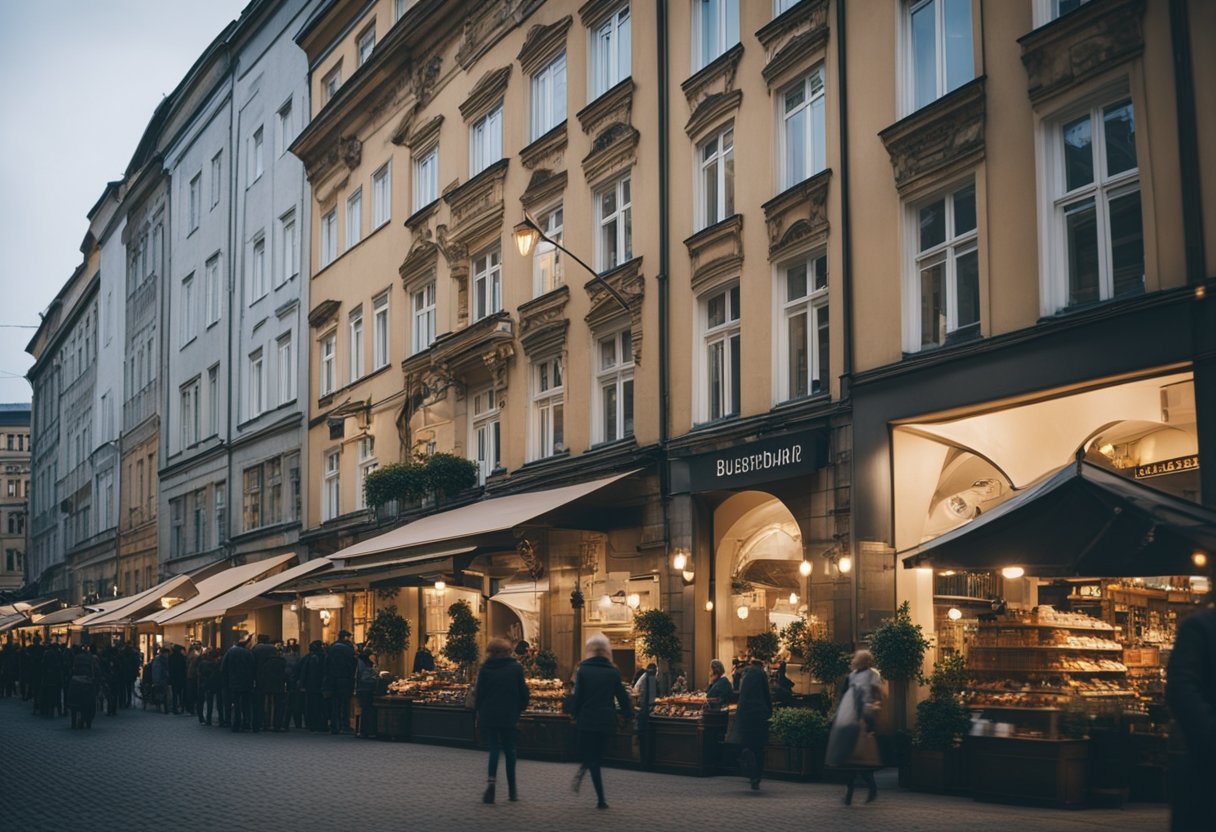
(765, 460)
(323, 602)
(1168, 466)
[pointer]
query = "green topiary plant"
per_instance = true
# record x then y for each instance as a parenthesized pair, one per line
(543, 665)
(949, 677)
(794, 637)
(389, 634)
(799, 727)
(828, 662)
(943, 720)
(763, 646)
(461, 647)
(448, 474)
(656, 636)
(404, 481)
(899, 646)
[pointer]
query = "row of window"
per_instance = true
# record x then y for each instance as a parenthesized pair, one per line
(271, 492)
(15, 441)
(18, 488)
(381, 207)
(14, 560)
(194, 525)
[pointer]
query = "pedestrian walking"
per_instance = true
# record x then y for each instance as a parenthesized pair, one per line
(270, 686)
(500, 696)
(1190, 691)
(311, 682)
(295, 698)
(340, 681)
(239, 669)
(751, 721)
(82, 689)
(851, 744)
(647, 689)
(158, 675)
(177, 677)
(597, 685)
(210, 698)
(366, 680)
(190, 699)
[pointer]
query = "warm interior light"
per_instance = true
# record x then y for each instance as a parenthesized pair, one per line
(947, 573)
(679, 561)
(804, 568)
(295, 607)
(440, 586)
(709, 606)
(605, 601)
(635, 600)
(526, 236)
(845, 565)
(743, 611)
(1012, 572)
(954, 614)
(688, 575)
(1200, 559)
(793, 599)
(325, 616)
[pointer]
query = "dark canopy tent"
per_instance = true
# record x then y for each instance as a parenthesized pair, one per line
(1079, 521)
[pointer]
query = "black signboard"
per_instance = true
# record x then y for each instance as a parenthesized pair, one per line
(752, 463)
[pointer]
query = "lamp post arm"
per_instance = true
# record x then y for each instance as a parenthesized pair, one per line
(594, 274)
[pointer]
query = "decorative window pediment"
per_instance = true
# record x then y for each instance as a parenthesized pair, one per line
(798, 214)
(940, 139)
(630, 284)
(426, 135)
(613, 152)
(421, 262)
(488, 23)
(542, 44)
(794, 39)
(476, 207)
(549, 150)
(1081, 44)
(543, 323)
(466, 356)
(486, 93)
(544, 187)
(715, 78)
(613, 107)
(712, 112)
(716, 251)
(323, 313)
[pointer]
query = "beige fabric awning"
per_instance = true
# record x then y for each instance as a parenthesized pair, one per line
(123, 612)
(63, 616)
(211, 588)
(15, 619)
(248, 596)
(497, 514)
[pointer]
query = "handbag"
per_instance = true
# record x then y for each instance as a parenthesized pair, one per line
(865, 752)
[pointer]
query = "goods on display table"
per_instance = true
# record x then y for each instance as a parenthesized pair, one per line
(688, 736)
(682, 706)
(437, 712)
(544, 732)
(545, 696)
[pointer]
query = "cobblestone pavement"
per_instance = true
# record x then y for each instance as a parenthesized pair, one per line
(145, 771)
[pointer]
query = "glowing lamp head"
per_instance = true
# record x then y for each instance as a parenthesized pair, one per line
(526, 236)
(605, 601)
(688, 576)
(1012, 572)
(804, 568)
(1200, 559)
(743, 612)
(679, 561)
(709, 606)
(440, 586)
(635, 601)
(954, 614)
(793, 599)
(845, 565)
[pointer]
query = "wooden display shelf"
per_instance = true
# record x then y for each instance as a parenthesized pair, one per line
(688, 746)
(443, 725)
(1023, 770)
(1044, 671)
(545, 736)
(393, 718)
(1052, 647)
(1100, 626)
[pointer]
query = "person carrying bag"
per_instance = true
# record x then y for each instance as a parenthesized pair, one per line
(852, 744)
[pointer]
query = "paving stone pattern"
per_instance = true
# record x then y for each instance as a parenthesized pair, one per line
(146, 771)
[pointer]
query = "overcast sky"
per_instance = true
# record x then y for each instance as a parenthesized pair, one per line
(83, 77)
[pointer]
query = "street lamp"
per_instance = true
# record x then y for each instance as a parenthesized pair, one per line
(528, 232)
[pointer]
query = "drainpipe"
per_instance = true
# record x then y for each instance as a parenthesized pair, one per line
(664, 264)
(234, 166)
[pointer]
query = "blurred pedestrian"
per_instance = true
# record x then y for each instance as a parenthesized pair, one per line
(597, 685)
(851, 743)
(158, 675)
(647, 689)
(82, 689)
(311, 682)
(340, 681)
(501, 695)
(718, 693)
(239, 669)
(366, 680)
(177, 677)
(424, 660)
(751, 721)
(210, 697)
(1191, 694)
(295, 698)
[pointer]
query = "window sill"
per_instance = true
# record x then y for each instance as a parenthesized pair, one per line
(1083, 308)
(420, 216)
(958, 338)
(800, 401)
(544, 460)
(188, 342)
(714, 423)
(624, 442)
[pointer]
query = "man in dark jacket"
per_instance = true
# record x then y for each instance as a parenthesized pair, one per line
(208, 677)
(269, 685)
(501, 695)
(310, 678)
(295, 698)
(424, 660)
(340, 681)
(751, 720)
(239, 669)
(158, 676)
(598, 690)
(1191, 694)
(177, 677)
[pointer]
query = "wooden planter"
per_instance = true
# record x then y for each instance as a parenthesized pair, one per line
(939, 772)
(1028, 771)
(788, 762)
(443, 725)
(688, 746)
(546, 737)
(393, 718)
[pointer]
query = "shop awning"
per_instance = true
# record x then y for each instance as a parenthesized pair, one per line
(62, 617)
(123, 612)
(497, 514)
(211, 588)
(16, 619)
(1081, 520)
(249, 596)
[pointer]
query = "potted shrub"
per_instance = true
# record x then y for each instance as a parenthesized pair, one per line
(763, 646)
(447, 475)
(461, 648)
(389, 634)
(899, 649)
(936, 760)
(398, 482)
(656, 637)
(798, 738)
(828, 662)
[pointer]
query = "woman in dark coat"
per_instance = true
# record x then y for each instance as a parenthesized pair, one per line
(310, 676)
(82, 688)
(1190, 690)
(209, 696)
(366, 678)
(751, 721)
(598, 691)
(719, 693)
(500, 696)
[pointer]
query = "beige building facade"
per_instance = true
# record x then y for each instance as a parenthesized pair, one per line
(14, 493)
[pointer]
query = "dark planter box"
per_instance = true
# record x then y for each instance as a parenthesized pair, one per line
(393, 718)
(787, 762)
(940, 772)
(619, 751)
(545, 737)
(688, 746)
(443, 725)
(1028, 771)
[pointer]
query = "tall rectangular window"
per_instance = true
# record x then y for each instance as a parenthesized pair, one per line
(947, 268)
(422, 302)
(366, 43)
(354, 218)
(721, 363)
(256, 160)
(329, 237)
(257, 270)
(356, 343)
(331, 505)
(716, 29)
(188, 311)
(366, 465)
(327, 372)
(221, 511)
(330, 84)
(614, 387)
(382, 195)
(485, 141)
(190, 413)
(193, 206)
(548, 408)
(804, 356)
(803, 134)
(380, 332)
(217, 178)
(611, 52)
(251, 516)
(272, 506)
(287, 130)
(549, 96)
(213, 400)
(487, 284)
(939, 48)
(426, 178)
(614, 216)
(717, 161)
(546, 257)
(289, 236)
(287, 370)
(485, 441)
(257, 384)
(214, 289)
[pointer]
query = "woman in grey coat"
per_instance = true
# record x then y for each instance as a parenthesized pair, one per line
(855, 715)
(598, 691)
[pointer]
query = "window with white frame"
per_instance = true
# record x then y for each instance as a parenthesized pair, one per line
(614, 217)
(720, 343)
(287, 370)
(289, 236)
(356, 343)
(217, 178)
(938, 46)
(423, 303)
(214, 290)
(354, 218)
(426, 178)
(287, 130)
(611, 52)
(716, 29)
(487, 284)
(367, 463)
(194, 203)
(946, 277)
(213, 400)
(190, 412)
(613, 418)
(327, 371)
(256, 161)
(257, 384)
(382, 195)
(380, 332)
(548, 408)
(485, 440)
(188, 311)
(257, 269)
(1096, 240)
(329, 237)
(331, 505)
(330, 84)
(803, 346)
(399, 8)
(803, 135)
(549, 96)
(716, 158)
(546, 257)
(366, 44)
(254, 481)
(485, 141)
